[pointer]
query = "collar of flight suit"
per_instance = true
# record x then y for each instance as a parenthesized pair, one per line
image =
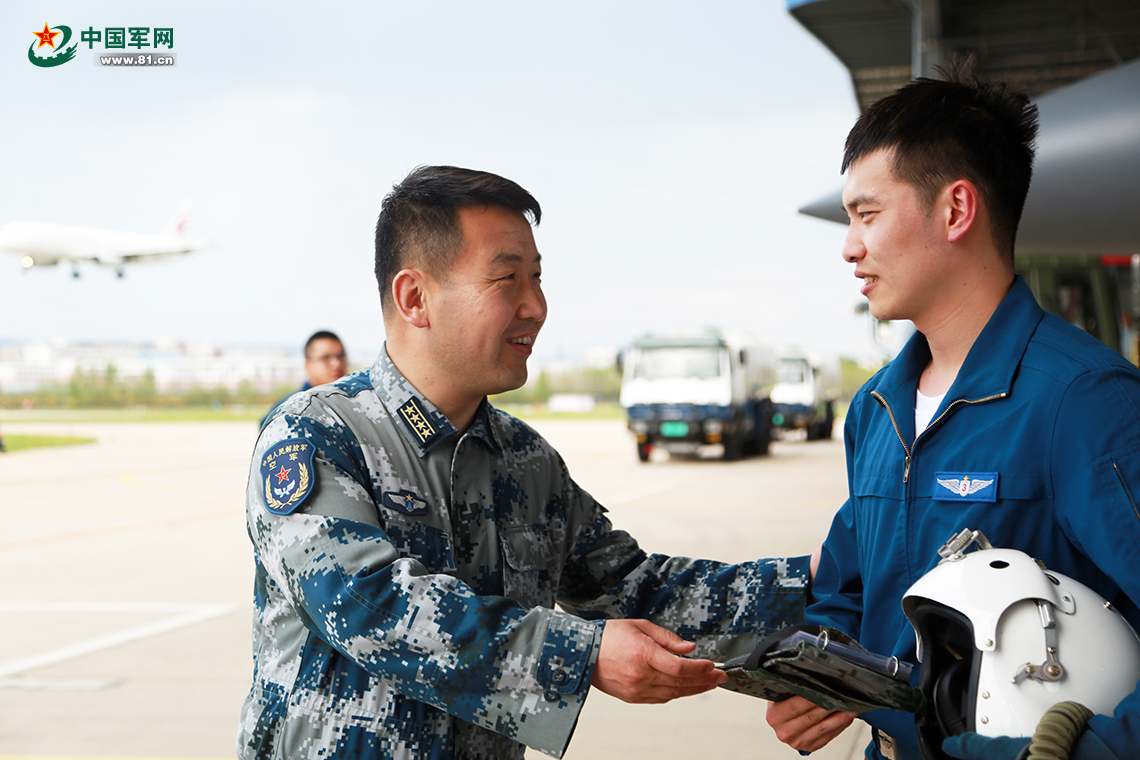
(989, 368)
(421, 423)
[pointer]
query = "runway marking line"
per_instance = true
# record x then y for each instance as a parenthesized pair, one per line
(189, 614)
(127, 528)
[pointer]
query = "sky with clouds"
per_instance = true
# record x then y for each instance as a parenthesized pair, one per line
(669, 145)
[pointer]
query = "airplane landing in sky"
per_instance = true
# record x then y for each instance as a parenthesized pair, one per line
(40, 244)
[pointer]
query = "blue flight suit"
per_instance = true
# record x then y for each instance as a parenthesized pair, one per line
(1046, 411)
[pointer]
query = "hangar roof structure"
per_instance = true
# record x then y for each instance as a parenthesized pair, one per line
(1039, 45)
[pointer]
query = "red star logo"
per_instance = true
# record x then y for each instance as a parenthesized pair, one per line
(47, 37)
(282, 474)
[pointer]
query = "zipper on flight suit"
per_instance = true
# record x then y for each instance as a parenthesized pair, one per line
(1127, 493)
(909, 449)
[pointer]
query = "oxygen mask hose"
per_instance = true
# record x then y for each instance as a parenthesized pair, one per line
(1058, 731)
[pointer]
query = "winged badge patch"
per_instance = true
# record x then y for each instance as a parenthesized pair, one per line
(965, 486)
(407, 502)
(288, 475)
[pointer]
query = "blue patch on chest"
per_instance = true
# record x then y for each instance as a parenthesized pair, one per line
(965, 486)
(287, 475)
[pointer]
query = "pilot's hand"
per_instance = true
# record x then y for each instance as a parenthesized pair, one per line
(804, 726)
(971, 746)
(639, 662)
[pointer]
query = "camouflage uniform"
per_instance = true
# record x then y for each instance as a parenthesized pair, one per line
(406, 578)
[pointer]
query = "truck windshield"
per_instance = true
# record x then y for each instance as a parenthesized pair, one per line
(790, 371)
(669, 362)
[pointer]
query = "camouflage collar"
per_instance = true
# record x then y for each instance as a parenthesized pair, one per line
(421, 423)
(485, 426)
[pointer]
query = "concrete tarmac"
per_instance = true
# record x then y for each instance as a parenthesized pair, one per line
(127, 576)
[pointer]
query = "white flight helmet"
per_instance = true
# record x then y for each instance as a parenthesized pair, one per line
(1001, 640)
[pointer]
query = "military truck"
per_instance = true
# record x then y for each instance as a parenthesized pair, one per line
(804, 395)
(685, 391)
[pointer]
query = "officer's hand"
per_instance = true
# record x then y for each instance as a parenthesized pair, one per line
(971, 746)
(804, 726)
(638, 662)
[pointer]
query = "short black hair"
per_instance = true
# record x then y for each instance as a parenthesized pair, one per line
(419, 222)
(321, 335)
(961, 128)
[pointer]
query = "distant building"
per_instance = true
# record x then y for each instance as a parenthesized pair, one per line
(177, 366)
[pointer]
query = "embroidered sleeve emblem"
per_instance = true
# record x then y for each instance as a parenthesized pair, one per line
(288, 475)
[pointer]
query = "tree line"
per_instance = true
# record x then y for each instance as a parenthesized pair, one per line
(106, 389)
(92, 388)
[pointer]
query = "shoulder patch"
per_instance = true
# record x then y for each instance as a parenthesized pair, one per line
(417, 421)
(965, 486)
(287, 475)
(406, 501)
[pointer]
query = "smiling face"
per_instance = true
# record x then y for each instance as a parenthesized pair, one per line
(894, 242)
(486, 310)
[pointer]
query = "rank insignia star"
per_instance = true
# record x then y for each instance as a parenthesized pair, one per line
(417, 421)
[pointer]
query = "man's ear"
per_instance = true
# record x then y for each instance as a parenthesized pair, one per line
(410, 297)
(961, 207)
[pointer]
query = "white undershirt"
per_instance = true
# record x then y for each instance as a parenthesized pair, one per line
(924, 409)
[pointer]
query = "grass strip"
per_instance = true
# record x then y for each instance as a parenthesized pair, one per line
(22, 442)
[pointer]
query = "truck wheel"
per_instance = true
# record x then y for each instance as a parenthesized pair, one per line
(761, 444)
(733, 448)
(758, 446)
(763, 432)
(643, 450)
(826, 427)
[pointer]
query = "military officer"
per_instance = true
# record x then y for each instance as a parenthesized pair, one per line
(411, 541)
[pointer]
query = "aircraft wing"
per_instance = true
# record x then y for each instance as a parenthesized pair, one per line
(182, 248)
(40, 244)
